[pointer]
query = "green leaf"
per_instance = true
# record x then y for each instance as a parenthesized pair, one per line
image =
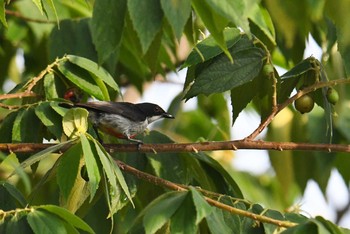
(112, 172)
(49, 118)
(184, 219)
(94, 69)
(44, 153)
(39, 4)
(159, 211)
(107, 25)
(261, 18)
(203, 209)
(219, 74)
(75, 122)
(177, 12)
(50, 3)
(18, 224)
(11, 161)
(2, 13)
(331, 227)
(68, 169)
(25, 124)
(233, 10)
(224, 182)
(43, 222)
(68, 217)
(82, 79)
(146, 17)
(208, 48)
(214, 22)
(49, 86)
(216, 222)
(15, 193)
(6, 127)
(72, 37)
(53, 87)
(91, 166)
(242, 95)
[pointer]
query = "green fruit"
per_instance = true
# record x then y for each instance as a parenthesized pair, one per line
(268, 69)
(332, 96)
(304, 104)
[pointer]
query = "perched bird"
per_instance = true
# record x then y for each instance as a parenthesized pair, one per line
(122, 119)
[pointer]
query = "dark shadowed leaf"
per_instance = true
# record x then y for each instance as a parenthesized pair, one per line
(68, 169)
(159, 211)
(72, 37)
(219, 74)
(68, 217)
(146, 17)
(107, 26)
(177, 12)
(15, 193)
(49, 118)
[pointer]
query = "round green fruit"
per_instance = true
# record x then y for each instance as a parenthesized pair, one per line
(332, 96)
(304, 104)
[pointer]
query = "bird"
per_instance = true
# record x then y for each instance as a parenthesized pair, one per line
(121, 119)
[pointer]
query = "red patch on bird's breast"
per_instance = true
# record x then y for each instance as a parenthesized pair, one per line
(115, 133)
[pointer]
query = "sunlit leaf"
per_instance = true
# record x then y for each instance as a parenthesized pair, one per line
(98, 71)
(91, 166)
(2, 13)
(75, 122)
(82, 79)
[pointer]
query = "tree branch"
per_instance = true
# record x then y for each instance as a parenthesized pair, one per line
(290, 100)
(20, 16)
(170, 185)
(190, 147)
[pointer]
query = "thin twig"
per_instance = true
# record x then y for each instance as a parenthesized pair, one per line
(170, 185)
(20, 16)
(32, 82)
(290, 100)
(17, 95)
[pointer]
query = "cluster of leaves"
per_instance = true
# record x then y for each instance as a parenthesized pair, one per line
(114, 43)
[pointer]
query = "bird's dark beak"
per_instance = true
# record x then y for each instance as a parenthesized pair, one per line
(168, 116)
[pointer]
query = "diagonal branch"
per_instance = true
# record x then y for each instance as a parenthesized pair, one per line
(170, 185)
